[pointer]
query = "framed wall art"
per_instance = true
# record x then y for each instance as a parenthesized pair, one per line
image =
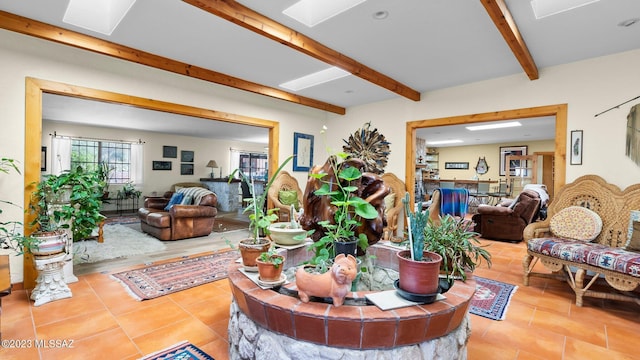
(456, 165)
(169, 151)
(186, 169)
(510, 150)
(161, 165)
(576, 147)
(186, 156)
(302, 151)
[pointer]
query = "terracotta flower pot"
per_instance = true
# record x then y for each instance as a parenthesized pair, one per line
(250, 251)
(419, 277)
(268, 271)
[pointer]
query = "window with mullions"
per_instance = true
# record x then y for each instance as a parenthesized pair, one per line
(90, 153)
(254, 165)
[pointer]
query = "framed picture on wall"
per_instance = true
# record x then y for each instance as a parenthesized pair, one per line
(161, 165)
(302, 151)
(186, 156)
(510, 150)
(576, 147)
(186, 169)
(169, 151)
(43, 159)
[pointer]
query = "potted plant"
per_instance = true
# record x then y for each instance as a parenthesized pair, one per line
(270, 265)
(104, 174)
(339, 228)
(76, 195)
(128, 191)
(454, 240)
(418, 269)
(259, 219)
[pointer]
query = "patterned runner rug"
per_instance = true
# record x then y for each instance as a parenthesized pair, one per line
(181, 351)
(491, 298)
(153, 281)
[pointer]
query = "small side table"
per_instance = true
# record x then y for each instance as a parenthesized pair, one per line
(50, 284)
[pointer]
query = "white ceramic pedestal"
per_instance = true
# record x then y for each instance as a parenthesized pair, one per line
(50, 284)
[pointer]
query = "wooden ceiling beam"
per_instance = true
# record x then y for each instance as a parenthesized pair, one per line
(243, 16)
(45, 31)
(503, 20)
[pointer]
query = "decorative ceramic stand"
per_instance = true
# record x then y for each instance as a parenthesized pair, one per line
(50, 284)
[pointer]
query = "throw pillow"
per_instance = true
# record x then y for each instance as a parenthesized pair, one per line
(633, 236)
(187, 200)
(389, 202)
(176, 198)
(577, 223)
(289, 197)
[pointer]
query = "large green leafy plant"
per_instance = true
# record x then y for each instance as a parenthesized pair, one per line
(83, 206)
(348, 210)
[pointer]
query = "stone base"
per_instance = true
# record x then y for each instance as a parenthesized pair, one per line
(50, 284)
(248, 340)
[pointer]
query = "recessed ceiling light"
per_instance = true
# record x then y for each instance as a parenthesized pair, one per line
(98, 15)
(442, 142)
(380, 15)
(313, 12)
(317, 78)
(493, 126)
(544, 8)
(628, 22)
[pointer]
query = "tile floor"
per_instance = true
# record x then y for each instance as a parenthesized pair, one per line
(106, 323)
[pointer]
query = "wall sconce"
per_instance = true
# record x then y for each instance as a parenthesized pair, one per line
(213, 164)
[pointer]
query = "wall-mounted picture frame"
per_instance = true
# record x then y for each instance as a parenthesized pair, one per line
(186, 156)
(169, 151)
(43, 159)
(576, 147)
(161, 165)
(186, 169)
(456, 165)
(510, 150)
(302, 151)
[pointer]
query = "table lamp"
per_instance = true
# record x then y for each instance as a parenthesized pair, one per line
(213, 164)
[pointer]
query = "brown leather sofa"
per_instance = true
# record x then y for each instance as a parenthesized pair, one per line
(508, 222)
(181, 221)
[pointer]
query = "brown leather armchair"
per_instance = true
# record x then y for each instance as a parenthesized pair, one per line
(181, 221)
(508, 222)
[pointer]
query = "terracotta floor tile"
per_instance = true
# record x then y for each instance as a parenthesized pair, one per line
(480, 349)
(540, 341)
(591, 332)
(140, 322)
(67, 308)
(114, 344)
(189, 329)
(211, 310)
(620, 339)
(218, 349)
(576, 349)
(78, 327)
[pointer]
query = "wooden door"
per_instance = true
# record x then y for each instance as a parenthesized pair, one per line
(522, 170)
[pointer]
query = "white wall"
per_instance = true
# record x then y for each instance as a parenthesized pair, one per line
(588, 87)
(23, 56)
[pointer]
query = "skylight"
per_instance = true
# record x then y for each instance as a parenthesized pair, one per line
(544, 8)
(493, 126)
(97, 15)
(313, 12)
(317, 78)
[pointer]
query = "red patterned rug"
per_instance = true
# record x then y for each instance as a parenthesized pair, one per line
(181, 351)
(492, 298)
(153, 281)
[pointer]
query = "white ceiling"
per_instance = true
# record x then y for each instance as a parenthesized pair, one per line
(426, 45)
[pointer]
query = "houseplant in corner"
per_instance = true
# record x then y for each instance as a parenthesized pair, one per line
(418, 268)
(259, 220)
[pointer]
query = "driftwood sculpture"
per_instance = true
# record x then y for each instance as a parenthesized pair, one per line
(318, 208)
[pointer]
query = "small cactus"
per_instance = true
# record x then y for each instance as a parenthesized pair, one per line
(416, 222)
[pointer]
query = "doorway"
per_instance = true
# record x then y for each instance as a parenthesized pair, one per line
(527, 114)
(34, 88)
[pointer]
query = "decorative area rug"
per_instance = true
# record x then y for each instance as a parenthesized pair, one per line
(491, 298)
(123, 220)
(119, 241)
(224, 224)
(181, 351)
(157, 280)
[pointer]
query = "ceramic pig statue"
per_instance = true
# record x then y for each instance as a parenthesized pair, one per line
(335, 283)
